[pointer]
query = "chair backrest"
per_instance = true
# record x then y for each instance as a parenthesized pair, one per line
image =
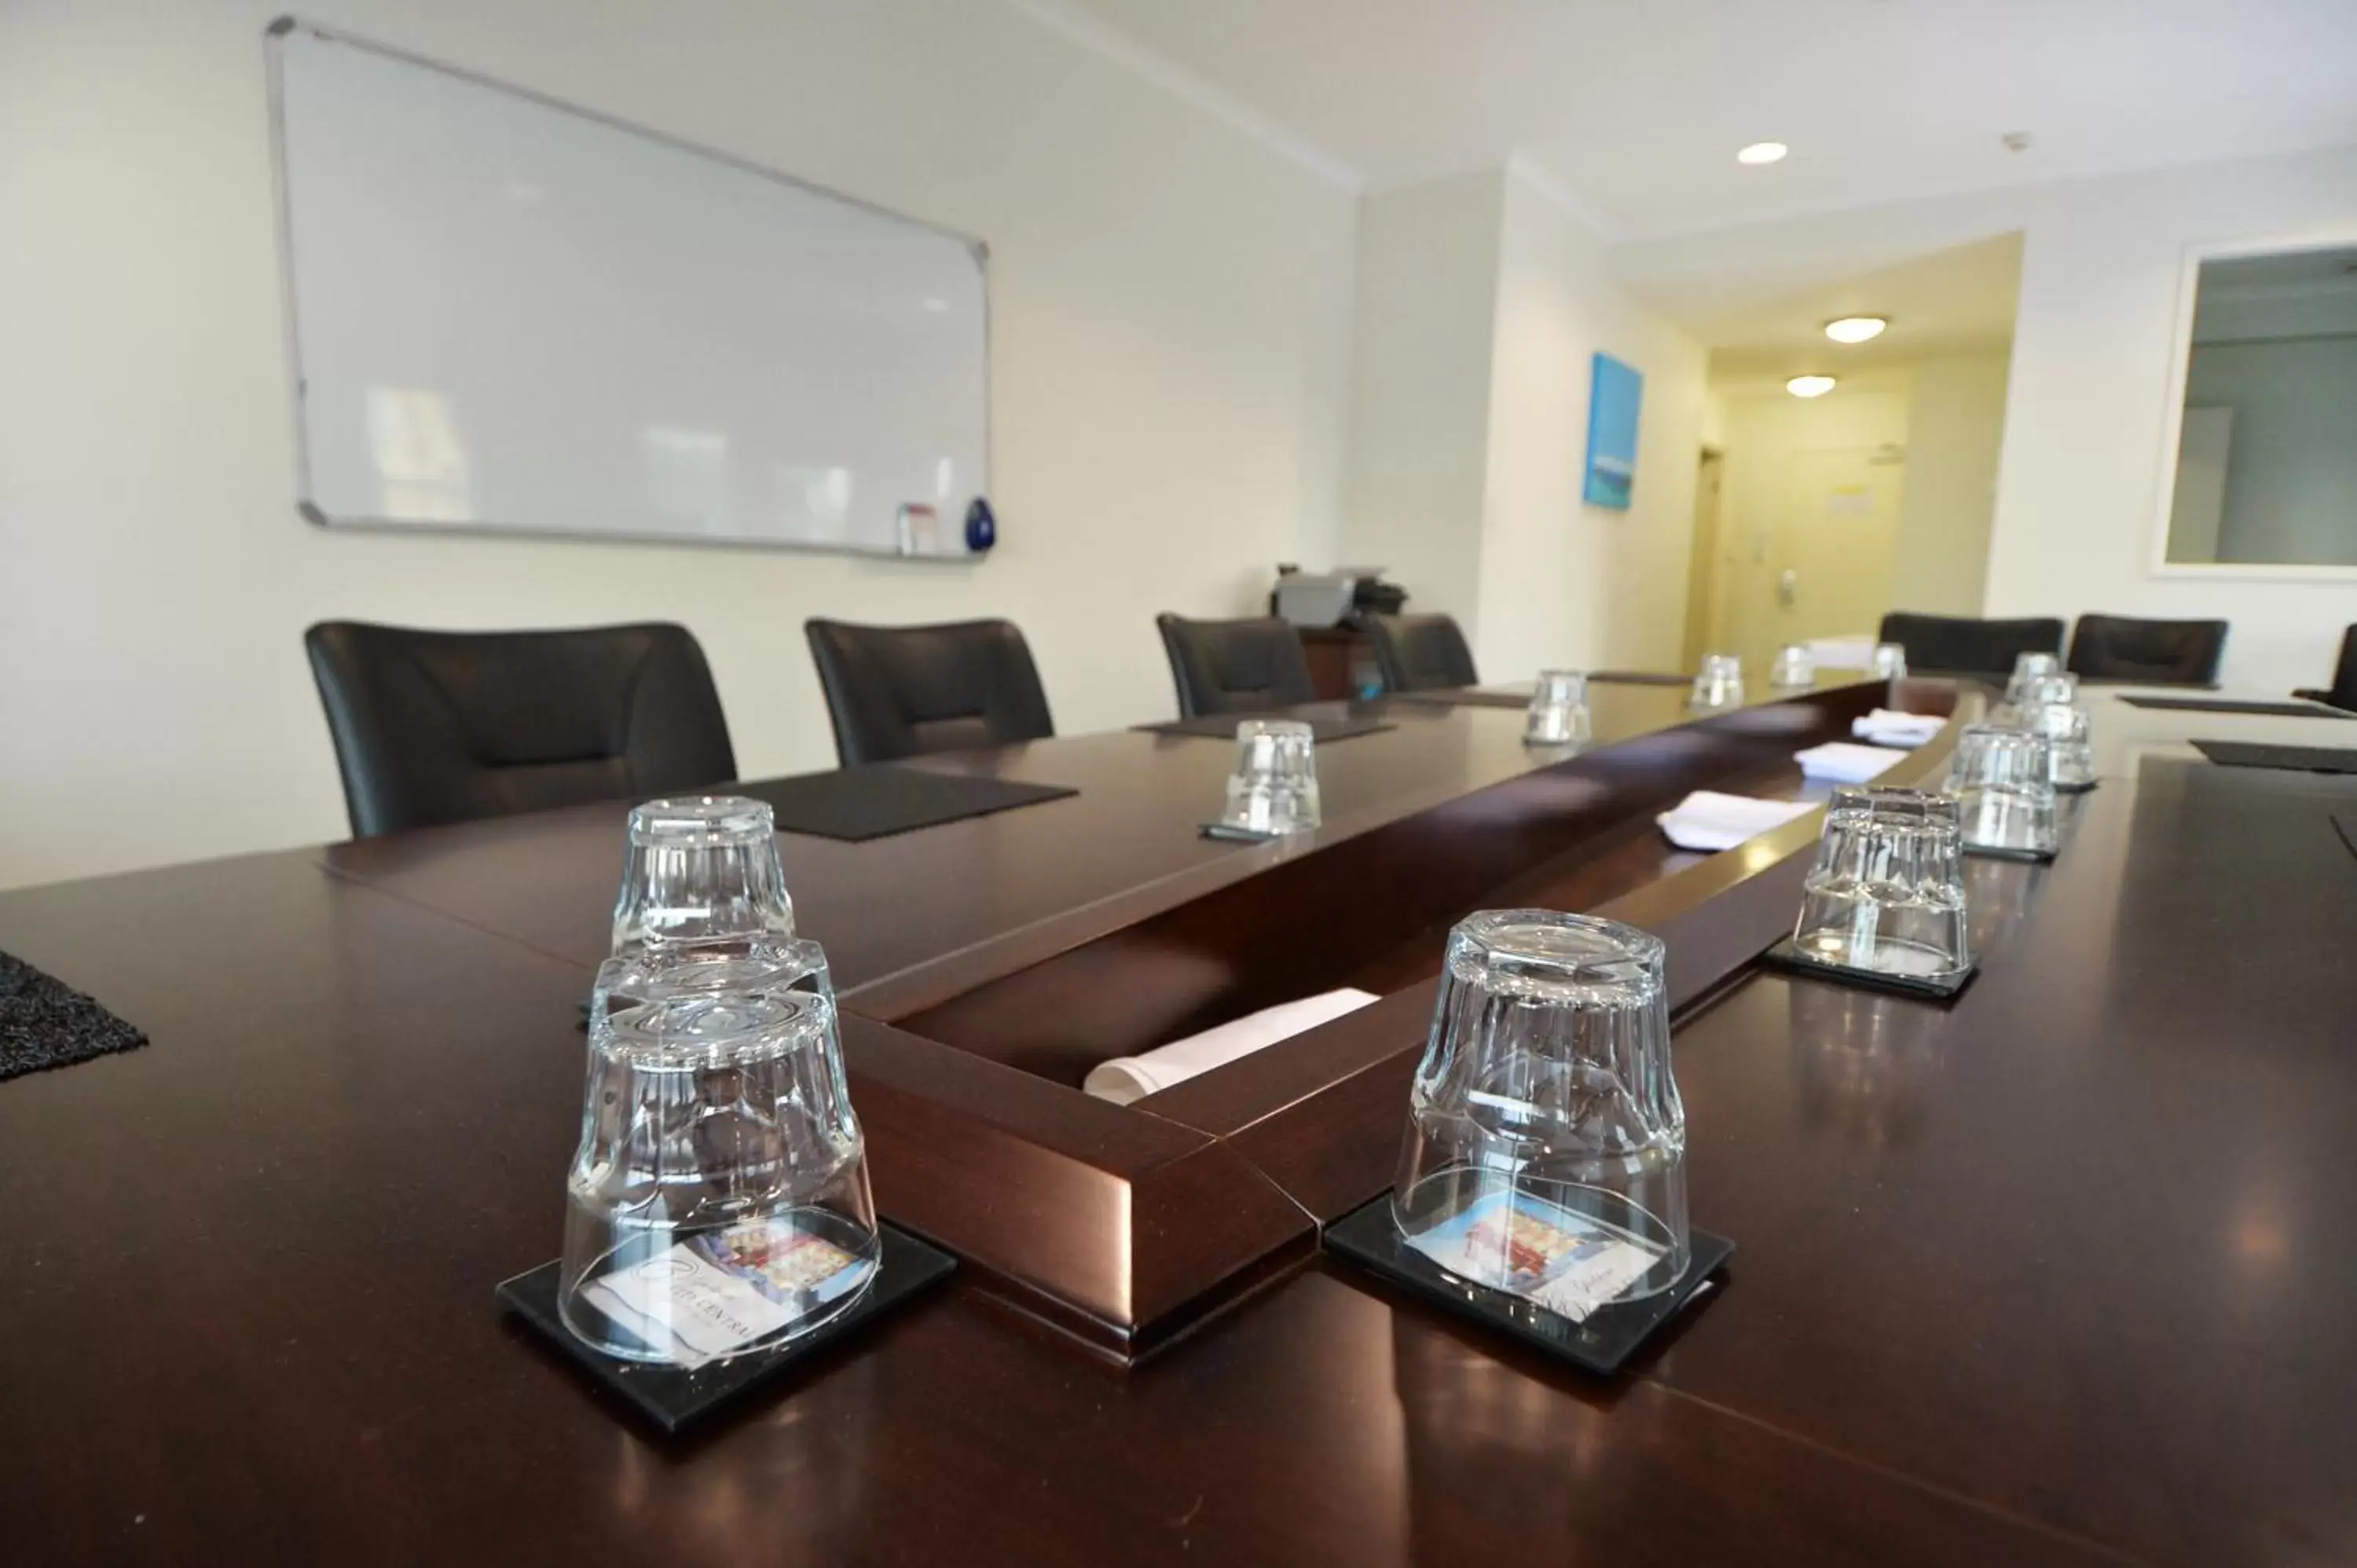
(904, 691)
(1964, 646)
(447, 727)
(2343, 692)
(1421, 653)
(2160, 652)
(1235, 666)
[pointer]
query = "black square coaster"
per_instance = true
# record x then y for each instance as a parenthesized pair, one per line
(1230, 833)
(1786, 955)
(674, 1397)
(2027, 856)
(1608, 1338)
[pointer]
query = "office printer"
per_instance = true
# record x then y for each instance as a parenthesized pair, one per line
(1330, 598)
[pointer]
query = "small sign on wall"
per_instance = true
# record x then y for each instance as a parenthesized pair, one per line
(1614, 392)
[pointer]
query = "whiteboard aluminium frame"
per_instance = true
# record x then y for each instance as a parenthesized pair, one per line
(297, 384)
(2172, 428)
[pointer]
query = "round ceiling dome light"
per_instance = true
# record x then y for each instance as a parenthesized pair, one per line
(1762, 153)
(1856, 328)
(1809, 386)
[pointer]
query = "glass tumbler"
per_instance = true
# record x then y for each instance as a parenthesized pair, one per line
(1545, 1148)
(2028, 666)
(2050, 709)
(700, 869)
(1274, 789)
(1559, 715)
(1890, 660)
(1719, 683)
(718, 1201)
(1886, 892)
(1794, 666)
(2003, 783)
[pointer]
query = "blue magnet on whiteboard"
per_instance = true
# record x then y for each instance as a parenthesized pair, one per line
(981, 526)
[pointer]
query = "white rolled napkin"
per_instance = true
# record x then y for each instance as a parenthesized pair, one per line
(1125, 1079)
(1885, 727)
(1845, 763)
(1708, 821)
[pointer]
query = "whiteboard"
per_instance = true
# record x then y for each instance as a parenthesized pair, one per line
(507, 315)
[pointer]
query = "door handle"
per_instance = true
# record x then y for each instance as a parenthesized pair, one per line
(1788, 587)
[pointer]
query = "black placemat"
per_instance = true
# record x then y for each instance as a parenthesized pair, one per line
(1787, 956)
(2299, 759)
(673, 1397)
(1323, 729)
(2228, 705)
(1461, 697)
(45, 1022)
(2086, 681)
(878, 799)
(1638, 678)
(1610, 1335)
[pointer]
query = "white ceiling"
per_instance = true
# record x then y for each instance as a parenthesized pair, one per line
(1953, 301)
(1637, 106)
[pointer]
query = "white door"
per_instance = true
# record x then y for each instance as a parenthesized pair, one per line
(1828, 570)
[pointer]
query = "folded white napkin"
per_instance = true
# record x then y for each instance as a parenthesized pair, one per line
(1706, 820)
(1885, 727)
(1125, 1079)
(1846, 764)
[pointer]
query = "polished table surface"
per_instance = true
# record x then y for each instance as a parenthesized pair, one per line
(2060, 1273)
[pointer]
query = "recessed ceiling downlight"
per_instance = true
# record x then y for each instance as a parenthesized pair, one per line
(1809, 386)
(1761, 153)
(1855, 329)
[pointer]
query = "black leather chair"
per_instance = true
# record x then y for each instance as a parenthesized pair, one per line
(2156, 652)
(2343, 692)
(1961, 645)
(903, 691)
(1235, 666)
(1421, 653)
(441, 726)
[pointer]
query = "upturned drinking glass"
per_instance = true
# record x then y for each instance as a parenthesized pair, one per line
(1719, 683)
(1794, 666)
(1545, 1148)
(718, 1201)
(1886, 892)
(2028, 666)
(1890, 660)
(699, 869)
(1559, 715)
(2049, 708)
(2002, 780)
(1274, 789)
(2057, 686)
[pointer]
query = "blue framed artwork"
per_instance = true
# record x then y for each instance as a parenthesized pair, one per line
(1614, 392)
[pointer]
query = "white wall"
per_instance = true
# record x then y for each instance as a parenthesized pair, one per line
(1171, 307)
(1480, 304)
(2080, 479)
(1426, 272)
(1565, 584)
(1955, 426)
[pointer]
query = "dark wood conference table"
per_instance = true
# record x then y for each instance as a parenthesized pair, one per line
(2064, 1271)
